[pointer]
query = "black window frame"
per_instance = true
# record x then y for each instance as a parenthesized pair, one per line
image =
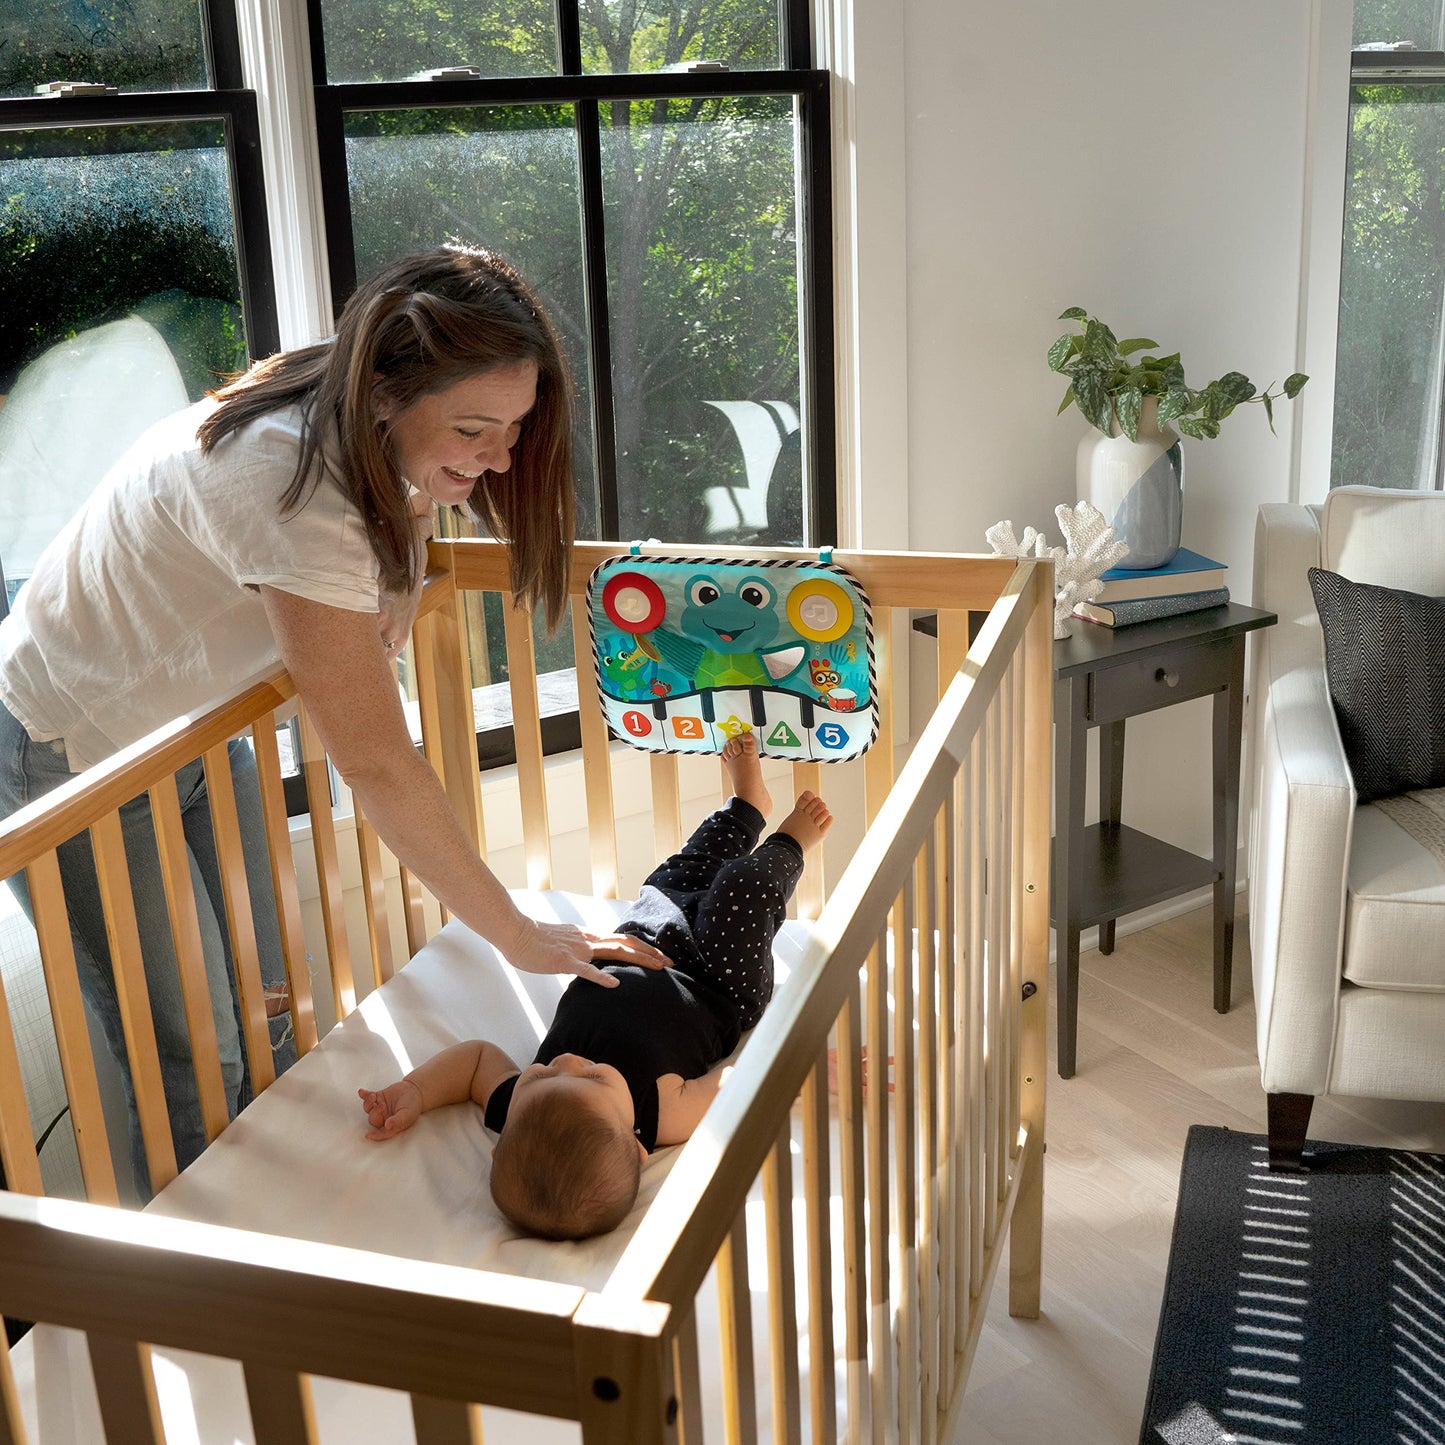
(586, 92)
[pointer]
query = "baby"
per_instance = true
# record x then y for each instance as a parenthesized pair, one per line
(628, 1069)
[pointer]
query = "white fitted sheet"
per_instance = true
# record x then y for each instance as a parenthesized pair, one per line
(296, 1163)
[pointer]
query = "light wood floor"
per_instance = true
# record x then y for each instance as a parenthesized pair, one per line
(1153, 1058)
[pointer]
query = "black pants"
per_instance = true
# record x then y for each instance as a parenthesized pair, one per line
(715, 907)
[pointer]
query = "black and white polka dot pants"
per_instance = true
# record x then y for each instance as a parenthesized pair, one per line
(728, 894)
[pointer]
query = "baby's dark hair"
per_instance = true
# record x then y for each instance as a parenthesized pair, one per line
(560, 1172)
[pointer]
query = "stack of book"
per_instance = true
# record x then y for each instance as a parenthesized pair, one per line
(1186, 583)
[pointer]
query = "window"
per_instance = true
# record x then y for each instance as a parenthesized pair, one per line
(659, 170)
(1390, 372)
(654, 169)
(134, 266)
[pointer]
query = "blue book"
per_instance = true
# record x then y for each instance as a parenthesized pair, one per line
(1186, 571)
(1146, 609)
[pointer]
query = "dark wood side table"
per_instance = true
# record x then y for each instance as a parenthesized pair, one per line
(1102, 677)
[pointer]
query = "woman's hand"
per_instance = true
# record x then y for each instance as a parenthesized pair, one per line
(565, 948)
(392, 1110)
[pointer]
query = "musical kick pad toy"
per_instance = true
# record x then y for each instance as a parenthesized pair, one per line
(692, 651)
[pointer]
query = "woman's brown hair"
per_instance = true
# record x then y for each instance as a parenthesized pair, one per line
(414, 327)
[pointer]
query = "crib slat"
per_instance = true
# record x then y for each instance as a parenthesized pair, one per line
(328, 869)
(666, 805)
(283, 881)
(952, 645)
(72, 1036)
(852, 1185)
(925, 876)
(596, 763)
(126, 1390)
(448, 716)
(978, 811)
(240, 924)
(445, 1422)
(688, 1375)
(782, 1288)
(1026, 1227)
(735, 1322)
(133, 998)
(947, 1093)
(373, 893)
(818, 1228)
(176, 877)
(905, 1124)
(808, 896)
(878, 760)
(527, 739)
(282, 1412)
(12, 1428)
(17, 1142)
(413, 910)
(875, 1100)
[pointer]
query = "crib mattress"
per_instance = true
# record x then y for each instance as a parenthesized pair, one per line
(296, 1163)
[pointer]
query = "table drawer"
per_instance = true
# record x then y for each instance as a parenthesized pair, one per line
(1160, 680)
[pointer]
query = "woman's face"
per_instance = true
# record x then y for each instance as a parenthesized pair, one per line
(445, 440)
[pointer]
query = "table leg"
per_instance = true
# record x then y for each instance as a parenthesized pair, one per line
(1071, 735)
(1228, 729)
(1111, 799)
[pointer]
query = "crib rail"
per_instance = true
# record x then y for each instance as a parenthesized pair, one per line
(900, 1070)
(932, 954)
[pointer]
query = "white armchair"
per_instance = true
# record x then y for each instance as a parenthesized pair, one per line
(1347, 910)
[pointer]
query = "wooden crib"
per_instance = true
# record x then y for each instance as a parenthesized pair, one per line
(929, 948)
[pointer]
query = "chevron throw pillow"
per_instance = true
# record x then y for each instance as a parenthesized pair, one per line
(1385, 658)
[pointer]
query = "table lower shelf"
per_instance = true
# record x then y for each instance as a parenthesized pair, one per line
(1122, 870)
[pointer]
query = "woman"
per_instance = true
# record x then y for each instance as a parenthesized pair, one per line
(286, 516)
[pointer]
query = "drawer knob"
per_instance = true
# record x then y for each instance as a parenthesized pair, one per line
(1169, 679)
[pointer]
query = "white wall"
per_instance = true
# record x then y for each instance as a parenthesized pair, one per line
(1146, 162)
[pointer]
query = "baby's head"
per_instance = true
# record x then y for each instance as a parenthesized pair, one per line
(567, 1165)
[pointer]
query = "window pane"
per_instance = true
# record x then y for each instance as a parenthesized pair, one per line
(702, 262)
(1416, 22)
(1389, 380)
(386, 40)
(503, 177)
(658, 34)
(135, 45)
(121, 297)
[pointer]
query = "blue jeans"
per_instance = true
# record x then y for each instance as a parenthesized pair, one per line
(30, 769)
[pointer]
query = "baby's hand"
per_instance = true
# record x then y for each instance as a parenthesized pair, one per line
(392, 1110)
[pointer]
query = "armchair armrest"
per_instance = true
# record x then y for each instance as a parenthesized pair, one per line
(1304, 811)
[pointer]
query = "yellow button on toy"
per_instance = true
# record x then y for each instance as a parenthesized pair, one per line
(820, 610)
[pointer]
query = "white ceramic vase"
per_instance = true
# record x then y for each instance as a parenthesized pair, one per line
(1138, 486)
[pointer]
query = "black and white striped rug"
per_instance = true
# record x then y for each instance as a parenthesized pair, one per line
(1302, 1308)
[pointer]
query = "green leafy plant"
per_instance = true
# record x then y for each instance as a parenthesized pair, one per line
(1106, 383)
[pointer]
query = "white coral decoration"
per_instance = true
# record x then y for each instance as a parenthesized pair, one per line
(1089, 551)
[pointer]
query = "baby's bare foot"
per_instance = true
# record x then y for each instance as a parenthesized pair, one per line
(745, 771)
(808, 822)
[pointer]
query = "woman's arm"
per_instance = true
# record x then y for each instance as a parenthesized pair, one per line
(346, 680)
(681, 1103)
(464, 1071)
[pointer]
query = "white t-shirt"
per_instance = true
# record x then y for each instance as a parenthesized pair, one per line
(140, 611)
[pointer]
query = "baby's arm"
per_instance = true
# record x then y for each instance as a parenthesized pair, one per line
(464, 1071)
(681, 1103)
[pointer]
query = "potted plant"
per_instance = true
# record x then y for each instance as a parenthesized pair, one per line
(1134, 471)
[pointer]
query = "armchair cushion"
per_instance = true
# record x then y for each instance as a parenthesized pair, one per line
(1395, 908)
(1385, 657)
